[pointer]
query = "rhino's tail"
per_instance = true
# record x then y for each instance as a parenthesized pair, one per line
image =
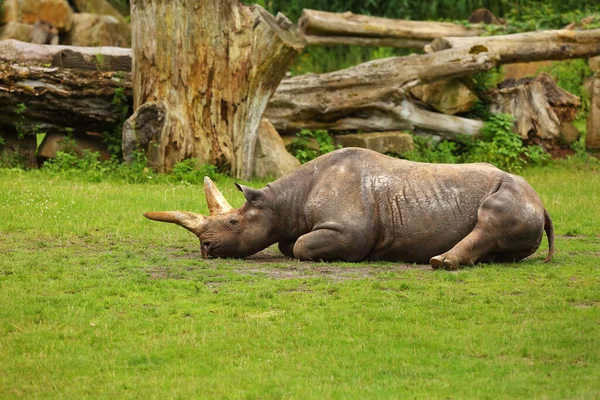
(549, 228)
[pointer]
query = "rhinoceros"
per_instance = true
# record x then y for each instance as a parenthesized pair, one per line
(356, 204)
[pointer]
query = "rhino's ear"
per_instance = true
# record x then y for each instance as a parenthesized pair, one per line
(253, 196)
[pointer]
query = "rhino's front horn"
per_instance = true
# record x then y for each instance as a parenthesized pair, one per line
(214, 198)
(194, 223)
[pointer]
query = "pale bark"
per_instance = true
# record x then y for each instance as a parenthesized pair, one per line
(529, 46)
(371, 96)
(592, 139)
(213, 65)
(403, 43)
(100, 58)
(322, 23)
(539, 106)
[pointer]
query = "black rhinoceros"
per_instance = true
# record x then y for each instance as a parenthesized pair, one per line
(356, 204)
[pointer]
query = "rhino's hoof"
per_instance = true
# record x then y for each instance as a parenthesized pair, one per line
(440, 261)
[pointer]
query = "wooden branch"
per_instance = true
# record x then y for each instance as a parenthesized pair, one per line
(371, 96)
(530, 46)
(95, 58)
(402, 43)
(322, 23)
(58, 98)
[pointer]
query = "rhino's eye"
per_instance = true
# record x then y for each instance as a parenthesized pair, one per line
(234, 222)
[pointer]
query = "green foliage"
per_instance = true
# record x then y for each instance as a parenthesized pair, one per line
(114, 139)
(193, 172)
(303, 150)
(332, 58)
(425, 150)
(88, 167)
(499, 146)
(482, 81)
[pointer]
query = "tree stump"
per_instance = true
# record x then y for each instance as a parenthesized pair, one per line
(206, 69)
(592, 140)
(539, 106)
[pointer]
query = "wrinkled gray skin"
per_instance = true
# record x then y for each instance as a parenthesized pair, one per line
(355, 204)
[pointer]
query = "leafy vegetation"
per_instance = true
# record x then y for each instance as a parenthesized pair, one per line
(114, 139)
(99, 302)
(499, 146)
(303, 148)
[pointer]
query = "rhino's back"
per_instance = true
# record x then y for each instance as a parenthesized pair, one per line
(408, 210)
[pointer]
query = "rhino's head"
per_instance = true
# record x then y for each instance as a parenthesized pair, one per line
(227, 232)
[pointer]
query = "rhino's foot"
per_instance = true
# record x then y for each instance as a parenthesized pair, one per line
(445, 262)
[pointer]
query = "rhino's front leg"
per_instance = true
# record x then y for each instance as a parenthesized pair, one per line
(287, 248)
(330, 243)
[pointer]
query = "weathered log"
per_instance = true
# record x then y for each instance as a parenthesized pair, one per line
(529, 46)
(58, 98)
(322, 23)
(539, 106)
(403, 43)
(371, 96)
(213, 65)
(94, 58)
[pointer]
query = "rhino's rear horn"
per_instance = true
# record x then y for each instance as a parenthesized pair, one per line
(194, 223)
(217, 204)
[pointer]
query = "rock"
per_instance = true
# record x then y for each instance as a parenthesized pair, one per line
(44, 33)
(522, 70)
(448, 97)
(98, 7)
(569, 134)
(9, 12)
(56, 12)
(383, 142)
(594, 63)
(54, 142)
(271, 159)
(16, 30)
(592, 139)
(91, 30)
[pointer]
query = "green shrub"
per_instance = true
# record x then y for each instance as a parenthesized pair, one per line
(191, 171)
(90, 168)
(425, 150)
(499, 146)
(301, 147)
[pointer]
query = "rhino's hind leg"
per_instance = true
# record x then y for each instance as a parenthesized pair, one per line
(509, 227)
(466, 252)
(329, 244)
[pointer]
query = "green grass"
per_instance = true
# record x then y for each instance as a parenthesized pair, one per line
(96, 301)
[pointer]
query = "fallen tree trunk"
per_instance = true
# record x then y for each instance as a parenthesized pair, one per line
(367, 97)
(529, 46)
(93, 58)
(539, 106)
(321, 27)
(371, 96)
(403, 43)
(56, 98)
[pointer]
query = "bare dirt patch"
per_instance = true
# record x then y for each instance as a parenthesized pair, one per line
(272, 264)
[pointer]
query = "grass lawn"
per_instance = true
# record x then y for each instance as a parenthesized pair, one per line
(96, 301)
